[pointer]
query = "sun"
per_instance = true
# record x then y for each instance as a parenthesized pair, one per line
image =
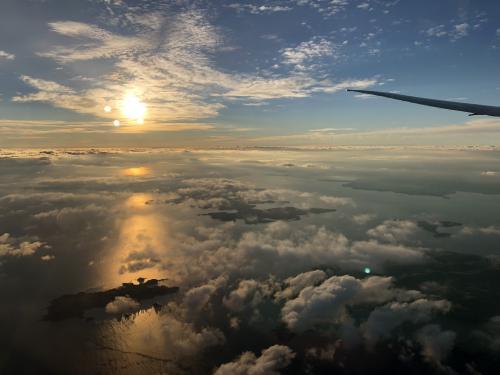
(134, 109)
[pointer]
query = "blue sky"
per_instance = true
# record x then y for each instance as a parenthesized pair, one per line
(249, 73)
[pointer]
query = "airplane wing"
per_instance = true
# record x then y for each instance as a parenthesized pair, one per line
(473, 109)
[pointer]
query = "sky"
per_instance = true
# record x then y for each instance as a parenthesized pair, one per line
(95, 73)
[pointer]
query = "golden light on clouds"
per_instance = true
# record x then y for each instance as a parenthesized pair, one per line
(133, 108)
(137, 171)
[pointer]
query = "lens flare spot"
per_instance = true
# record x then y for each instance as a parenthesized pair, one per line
(368, 270)
(107, 109)
(116, 123)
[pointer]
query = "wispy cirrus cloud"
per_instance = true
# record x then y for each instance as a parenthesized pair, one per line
(167, 60)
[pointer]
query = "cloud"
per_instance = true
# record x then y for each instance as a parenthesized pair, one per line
(122, 305)
(100, 43)
(307, 51)
(394, 230)
(436, 344)
(6, 55)
(322, 304)
(259, 9)
(247, 291)
(328, 301)
(362, 219)
(271, 360)
(295, 284)
(13, 247)
(437, 31)
(338, 201)
(489, 173)
(364, 6)
(491, 230)
(166, 58)
(197, 299)
(460, 31)
(398, 135)
(383, 320)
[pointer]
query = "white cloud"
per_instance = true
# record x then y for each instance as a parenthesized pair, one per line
(393, 230)
(460, 31)
(307, 51)
(437, 31)
(322, 304)
(259, 9)
(6, 55)
(327, 302)
(271, 360)
(489, 173)
(362, 219)
(364, 6)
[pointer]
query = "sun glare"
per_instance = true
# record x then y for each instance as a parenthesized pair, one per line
(134, 109)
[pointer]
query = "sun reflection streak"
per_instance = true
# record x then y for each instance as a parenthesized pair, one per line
(137, 171)
(141, 244)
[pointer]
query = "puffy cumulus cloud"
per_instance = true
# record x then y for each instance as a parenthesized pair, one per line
(279, 248)
(122, 305)
(362, 219)
(293, 285)
(328, 301)
(197, 298)
(383, 320)
(249, 292)
(322, 304)
(271, 360)
(13, 247)
(436, 344)
(394, 230)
